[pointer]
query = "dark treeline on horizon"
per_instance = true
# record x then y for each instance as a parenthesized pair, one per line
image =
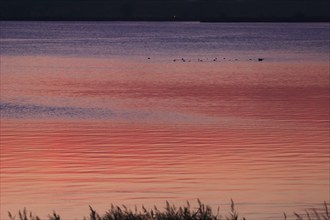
(166, 10)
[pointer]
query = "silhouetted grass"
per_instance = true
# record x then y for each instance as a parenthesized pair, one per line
(313, 214)
(171, 212)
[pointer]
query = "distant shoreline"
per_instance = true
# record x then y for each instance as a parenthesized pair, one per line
(169, 10)
(206, 20)
(158, 20)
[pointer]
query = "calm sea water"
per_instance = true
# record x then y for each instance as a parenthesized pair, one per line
(94, 113)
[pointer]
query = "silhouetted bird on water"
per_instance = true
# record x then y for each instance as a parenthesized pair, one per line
(214, 59)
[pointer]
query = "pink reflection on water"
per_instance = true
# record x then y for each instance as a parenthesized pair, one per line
(254, 132)
(93, 162)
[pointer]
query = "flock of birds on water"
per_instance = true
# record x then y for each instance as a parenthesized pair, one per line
(208, 60)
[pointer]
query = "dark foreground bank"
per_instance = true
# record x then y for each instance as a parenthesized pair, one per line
(171, 212)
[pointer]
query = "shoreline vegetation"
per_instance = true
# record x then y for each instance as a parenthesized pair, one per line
(294, 19)
(172, 212)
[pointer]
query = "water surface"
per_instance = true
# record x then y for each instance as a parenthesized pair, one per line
(94, 113)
